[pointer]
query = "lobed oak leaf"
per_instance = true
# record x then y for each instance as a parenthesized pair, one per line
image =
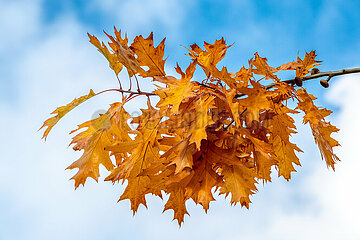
(135, 191)
(100, 133)
(281, 128)
(181, 155)
(62, 111)
(212, 55)
(114, 120)
(177, 91)
(224, 76)
(124, 54)
(93, 156)
(149, 56)
(203, 180)
(262, 68)
(202, 119)
(243, 77)
(321, 129)
(176, 202)
(326, 143)
(257, 100)
(112, 59)
(306, 64)
(240, 182)
(143, 155)
(123, 41)
(217, 50)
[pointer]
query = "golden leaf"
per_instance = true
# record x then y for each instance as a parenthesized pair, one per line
(111, 57)
(99, 134)
(240, 182)
(225, 131)
(149, 56)
(61, 111)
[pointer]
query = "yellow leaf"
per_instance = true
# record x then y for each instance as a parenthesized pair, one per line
(112, 59)
(61, 111)
(100, 133)
(124, 54)
(257, 99)
(202, 182)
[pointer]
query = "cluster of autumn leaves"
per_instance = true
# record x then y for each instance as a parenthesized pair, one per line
(222, 134)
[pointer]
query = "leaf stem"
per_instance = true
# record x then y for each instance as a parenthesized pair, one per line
(119, 81)
(128, 91)
(137, 83)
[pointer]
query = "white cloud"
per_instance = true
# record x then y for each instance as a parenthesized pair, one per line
(335, 196)
(143, 15)
(17, 23)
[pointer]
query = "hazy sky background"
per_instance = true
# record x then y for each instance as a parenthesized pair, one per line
(46, 61)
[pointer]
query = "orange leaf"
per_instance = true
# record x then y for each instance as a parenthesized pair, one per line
(240, 182)
(177, 91)
(306, 64)
(212, 55)
(320, 128)
(149, 56)
(176, 202)
(181, 155)
(262, 68)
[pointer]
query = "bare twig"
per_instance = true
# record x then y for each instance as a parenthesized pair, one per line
(329, 74)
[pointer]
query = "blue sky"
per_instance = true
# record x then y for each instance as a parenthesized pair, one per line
(46, 61)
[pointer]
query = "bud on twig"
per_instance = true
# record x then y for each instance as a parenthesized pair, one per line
(298, 81)
(324, 83)
(314, 71)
